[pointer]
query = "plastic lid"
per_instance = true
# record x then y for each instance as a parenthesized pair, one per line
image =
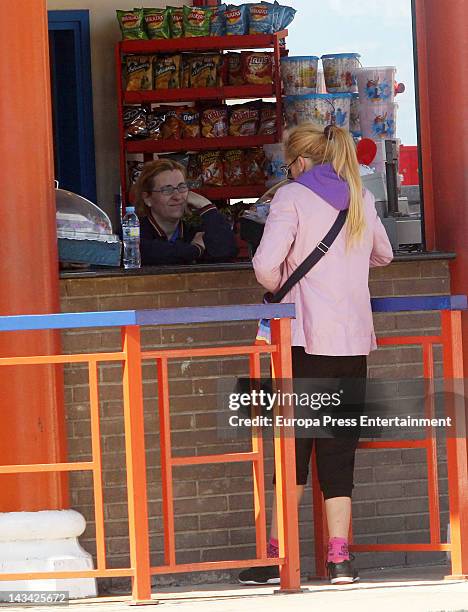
(299, 57)
(364, 68)
(77, 214)
(129, 209)
(336, 55)
(319, 96)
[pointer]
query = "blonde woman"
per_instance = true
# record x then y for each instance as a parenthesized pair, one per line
(333, 331)
(162, 197)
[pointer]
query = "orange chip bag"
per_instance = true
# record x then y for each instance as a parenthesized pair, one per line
(234, 167)
(214, 122)
(267, 119)
(254, 166)
(243, 119)
(257, 67)
(212, 168)
(172, 127)
(190, 122)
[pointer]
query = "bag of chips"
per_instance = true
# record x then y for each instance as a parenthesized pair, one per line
(190, 122)
(254, 166)
(244, 119)
(267, 119)
(172, 127)
(234, 69)
(261, 18)
(257, 67)
(194, 177)
(139, 72)
(154, 124)
(234, 167)
(134, 169)
(197, 21)
(212, 168)
(166, 71)
(157, 23)
(237, 20)
(134, 121)
(176, 21)
(285, 14)
(214, 122)
(205, 70)
(218, 20)
(185, 59)
(132, 24)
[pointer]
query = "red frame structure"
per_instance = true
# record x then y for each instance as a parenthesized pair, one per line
(208, 43)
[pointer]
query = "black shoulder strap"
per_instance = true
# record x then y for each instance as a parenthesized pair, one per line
(310, 261)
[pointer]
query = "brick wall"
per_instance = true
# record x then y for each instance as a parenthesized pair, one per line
(213, 503)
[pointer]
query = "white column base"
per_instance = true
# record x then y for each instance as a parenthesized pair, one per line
(44, 541)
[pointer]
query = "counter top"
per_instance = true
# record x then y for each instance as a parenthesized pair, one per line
(218, 267)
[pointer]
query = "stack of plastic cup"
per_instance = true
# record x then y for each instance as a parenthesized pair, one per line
(321, 109)
(376, 85)
(354, 121)
(340, 72)
(299, 74)
(377, 108)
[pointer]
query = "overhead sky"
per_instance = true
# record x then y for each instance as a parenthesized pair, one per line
(380, 30)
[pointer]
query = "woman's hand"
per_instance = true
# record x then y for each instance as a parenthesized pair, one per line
(196, 201)
(198, 240)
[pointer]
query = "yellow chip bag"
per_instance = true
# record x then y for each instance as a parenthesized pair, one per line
(139, 72)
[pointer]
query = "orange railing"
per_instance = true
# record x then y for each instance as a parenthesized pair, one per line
(451, 341)
(132, 356)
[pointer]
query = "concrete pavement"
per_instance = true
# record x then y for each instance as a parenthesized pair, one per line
(395, 589)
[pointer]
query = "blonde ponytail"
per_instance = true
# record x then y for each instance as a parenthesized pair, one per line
(336, 147)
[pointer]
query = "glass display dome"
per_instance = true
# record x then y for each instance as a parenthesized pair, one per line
(84, 231)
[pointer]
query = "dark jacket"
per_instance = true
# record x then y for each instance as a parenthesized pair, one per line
(219, 240)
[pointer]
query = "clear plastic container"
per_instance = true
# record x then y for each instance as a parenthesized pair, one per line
(84, 231)
(378, 120)
(376, 84)
(354, 121)
(299, 74)
(340, 72)
(321, 109)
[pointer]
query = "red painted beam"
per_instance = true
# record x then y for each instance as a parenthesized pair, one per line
(31, 404)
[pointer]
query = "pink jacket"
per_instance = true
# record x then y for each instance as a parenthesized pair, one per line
(333, 310)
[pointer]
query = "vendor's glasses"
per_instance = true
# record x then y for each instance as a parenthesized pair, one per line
(168, 190)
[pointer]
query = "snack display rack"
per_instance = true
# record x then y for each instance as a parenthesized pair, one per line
(148, 147)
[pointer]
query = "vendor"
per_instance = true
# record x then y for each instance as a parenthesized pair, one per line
(162, 198)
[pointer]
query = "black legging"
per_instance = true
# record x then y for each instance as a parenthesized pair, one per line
(335, 455)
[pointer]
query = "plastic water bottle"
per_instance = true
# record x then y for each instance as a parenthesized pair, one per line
(131, 239)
